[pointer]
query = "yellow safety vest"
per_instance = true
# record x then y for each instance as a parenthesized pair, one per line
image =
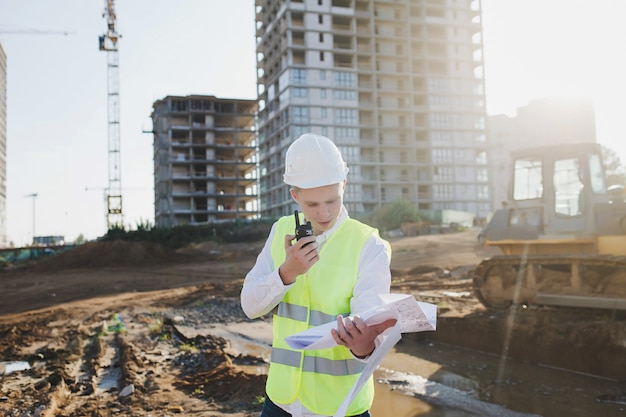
(320, 379)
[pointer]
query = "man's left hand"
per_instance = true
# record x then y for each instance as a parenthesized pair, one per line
(356, 335)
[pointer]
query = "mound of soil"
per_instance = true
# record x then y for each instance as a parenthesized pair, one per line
(106, 254)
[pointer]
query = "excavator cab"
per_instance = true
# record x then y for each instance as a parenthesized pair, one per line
(562, 234)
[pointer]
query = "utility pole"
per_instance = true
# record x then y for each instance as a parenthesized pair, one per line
(108, 43)
(33, 196)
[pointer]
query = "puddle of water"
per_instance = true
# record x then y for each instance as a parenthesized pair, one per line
(246, 338)
(516, 385)
(7, 368)
(109, 372)
(255, 369)
(247, 347)
(388, 402)
(108, 379)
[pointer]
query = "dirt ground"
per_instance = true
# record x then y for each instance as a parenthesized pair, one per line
(108, 328)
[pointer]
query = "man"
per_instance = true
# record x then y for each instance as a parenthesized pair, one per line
(336, 272)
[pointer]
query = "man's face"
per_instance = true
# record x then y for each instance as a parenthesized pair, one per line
(321, 205)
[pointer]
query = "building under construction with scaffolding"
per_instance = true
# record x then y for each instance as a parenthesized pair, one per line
(398, 85)
(205, 166)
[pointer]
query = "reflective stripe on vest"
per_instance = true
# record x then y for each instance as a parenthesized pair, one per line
(316, 364)
(300, 313)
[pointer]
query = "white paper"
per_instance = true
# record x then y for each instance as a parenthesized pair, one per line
(412, 316)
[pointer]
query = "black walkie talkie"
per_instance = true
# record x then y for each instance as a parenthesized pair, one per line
(302, 230)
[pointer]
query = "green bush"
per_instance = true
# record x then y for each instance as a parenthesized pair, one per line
(180, 236)
(392, 216)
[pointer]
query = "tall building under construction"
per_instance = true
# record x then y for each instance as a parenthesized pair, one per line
(398, 85)
(205, 166)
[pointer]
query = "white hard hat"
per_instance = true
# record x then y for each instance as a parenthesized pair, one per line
(313, 161)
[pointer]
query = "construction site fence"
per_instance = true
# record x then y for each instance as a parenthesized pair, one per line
(15, 255)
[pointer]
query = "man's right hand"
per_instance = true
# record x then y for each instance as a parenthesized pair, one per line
(298, 258)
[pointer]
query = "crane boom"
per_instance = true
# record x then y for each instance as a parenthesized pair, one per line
(35, 32)
(109, 43)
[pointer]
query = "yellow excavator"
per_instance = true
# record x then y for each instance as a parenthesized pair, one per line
(562, 234)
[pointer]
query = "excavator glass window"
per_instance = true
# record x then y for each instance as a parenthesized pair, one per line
(527, 183)
(568, 187)
(596, 174)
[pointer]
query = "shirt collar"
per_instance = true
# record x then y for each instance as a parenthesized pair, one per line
(343, 215)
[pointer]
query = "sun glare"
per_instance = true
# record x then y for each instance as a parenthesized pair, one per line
(566, 48)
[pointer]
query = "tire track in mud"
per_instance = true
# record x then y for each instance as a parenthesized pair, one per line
(65, 374)
(98, 364)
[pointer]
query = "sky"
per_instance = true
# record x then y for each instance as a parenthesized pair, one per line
(57, 140)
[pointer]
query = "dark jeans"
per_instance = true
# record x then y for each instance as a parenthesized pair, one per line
(272, 410)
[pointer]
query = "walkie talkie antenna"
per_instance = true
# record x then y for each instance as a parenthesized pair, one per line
(295, 213)
(304, 230)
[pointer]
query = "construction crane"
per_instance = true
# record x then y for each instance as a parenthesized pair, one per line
(108, 43)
